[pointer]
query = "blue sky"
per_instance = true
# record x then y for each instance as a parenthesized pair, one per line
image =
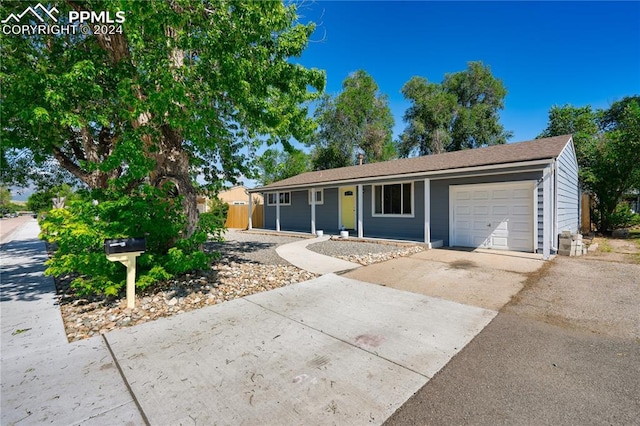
(546, 53)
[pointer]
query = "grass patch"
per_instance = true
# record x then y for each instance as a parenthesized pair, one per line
(605, 246)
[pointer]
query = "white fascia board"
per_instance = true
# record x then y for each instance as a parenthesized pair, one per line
(432, 175)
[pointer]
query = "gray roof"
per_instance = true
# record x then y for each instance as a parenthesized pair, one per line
(538, 149)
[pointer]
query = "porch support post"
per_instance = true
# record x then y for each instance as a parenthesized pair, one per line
(250, 226)
(360, 213)
(427, 212)
(547, 226)
(278, 211)
(313, 211)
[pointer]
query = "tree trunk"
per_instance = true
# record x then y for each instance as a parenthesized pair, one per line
(172, 165)
(172, 161)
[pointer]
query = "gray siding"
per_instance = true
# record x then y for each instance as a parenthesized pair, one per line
(297, 216)
(269, 215)
(399, 228)
(327, 213)
(568, 196)
(440, 210)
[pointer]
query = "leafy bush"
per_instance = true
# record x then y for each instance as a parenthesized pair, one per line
(218, 212)
(214, 221)
(621, 217)
(624, 217)
(79, 231)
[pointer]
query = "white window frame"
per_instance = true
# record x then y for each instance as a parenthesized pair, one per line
(279, 194)
(373, 200)
(317, 191)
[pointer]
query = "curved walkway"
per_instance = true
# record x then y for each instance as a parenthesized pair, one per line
(298, 255)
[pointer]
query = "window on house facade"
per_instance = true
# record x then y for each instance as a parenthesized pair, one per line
(285, 198)
(394, 199)
(319, 196)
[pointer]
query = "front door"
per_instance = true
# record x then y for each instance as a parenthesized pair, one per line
(348, 210)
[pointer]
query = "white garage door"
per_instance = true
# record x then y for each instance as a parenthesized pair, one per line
(497, 215)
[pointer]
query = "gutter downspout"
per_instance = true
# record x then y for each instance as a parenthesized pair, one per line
(554, 176)
(547, 214)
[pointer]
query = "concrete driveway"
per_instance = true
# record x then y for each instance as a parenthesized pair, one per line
(327, 351)
(564, 352)
(332, 350)
(483, 278)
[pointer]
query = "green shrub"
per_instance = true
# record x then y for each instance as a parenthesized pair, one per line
(624, 217)
(79, 231)
(216, 219)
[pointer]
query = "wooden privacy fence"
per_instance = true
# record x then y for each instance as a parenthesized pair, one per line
(238, 216)
(585, 219)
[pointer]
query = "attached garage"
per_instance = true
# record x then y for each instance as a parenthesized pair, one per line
(517, 196)
(497, 216)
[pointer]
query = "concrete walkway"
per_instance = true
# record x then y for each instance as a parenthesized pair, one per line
(328, 351)
(298, 255)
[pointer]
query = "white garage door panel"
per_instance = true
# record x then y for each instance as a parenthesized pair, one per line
(500, 210)
(520, 226)
(496, 216)
(500, 240)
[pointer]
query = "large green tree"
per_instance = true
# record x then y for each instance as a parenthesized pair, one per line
(275, 165)
(608, 151)
(357, 121)
(183, 86)
(459, 113)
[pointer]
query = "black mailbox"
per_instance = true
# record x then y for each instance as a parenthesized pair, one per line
(124, 245)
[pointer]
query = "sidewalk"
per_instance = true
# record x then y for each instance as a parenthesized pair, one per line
(328, 351)
(44, 378)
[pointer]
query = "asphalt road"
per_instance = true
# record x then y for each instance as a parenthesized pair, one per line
(566, 351)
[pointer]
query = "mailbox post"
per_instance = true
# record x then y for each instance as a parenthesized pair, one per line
(125, 251)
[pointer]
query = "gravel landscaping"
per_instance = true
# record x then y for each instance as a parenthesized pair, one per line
(363, 252)
(249, 264)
